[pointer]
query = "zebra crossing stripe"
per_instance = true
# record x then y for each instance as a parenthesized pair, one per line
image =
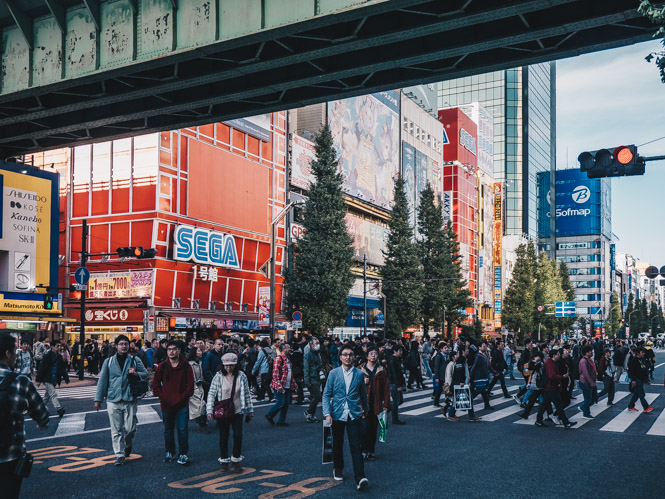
(70, 424)
(597, 409)
(626, 417)
(480, 405)
(534, 414)
(503, 413)
(658, 428)
(432, 408)
(146, 414)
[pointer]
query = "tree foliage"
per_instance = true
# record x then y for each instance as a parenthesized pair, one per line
(402, 271)
(548, 290)
(319, 281)
(519, 302)
(613, 321)
(656, 14)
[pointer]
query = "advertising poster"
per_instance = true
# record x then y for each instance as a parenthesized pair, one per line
(498, 237)
(132, 284)
(264, 306)
(409, 176)
(302, 155)
(421, 176)
(447, 206)
(28, 236)
(256, 126)
(365, 136)
(437, 181)
(368, 239)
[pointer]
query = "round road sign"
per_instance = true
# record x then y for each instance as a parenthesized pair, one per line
(651, 272)
(297, 316)
(540, 308)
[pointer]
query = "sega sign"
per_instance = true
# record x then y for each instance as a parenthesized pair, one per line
(205, 246)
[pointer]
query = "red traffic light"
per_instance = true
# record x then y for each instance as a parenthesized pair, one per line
(623, 155)
(138, 251)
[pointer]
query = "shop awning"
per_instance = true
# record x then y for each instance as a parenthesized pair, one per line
(109, 304)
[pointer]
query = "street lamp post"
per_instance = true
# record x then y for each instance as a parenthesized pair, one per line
(273, 226)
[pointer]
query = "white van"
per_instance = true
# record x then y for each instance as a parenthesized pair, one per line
(643, 336)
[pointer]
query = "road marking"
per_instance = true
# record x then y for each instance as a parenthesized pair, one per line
(70, 424)
(662, 364)
(480, 406)
(596, 409)
(146, 414)
(658, 428)
(88, 412)
(625, 418)
(534, 414)
(503, 413)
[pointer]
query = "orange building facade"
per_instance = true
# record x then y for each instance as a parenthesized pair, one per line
(224, 181)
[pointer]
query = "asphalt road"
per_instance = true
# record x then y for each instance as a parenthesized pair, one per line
(618, 454)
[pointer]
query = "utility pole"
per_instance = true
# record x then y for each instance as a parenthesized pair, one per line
(84, 259)
(365, 294)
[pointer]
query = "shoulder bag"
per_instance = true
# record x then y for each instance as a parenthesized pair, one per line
(137, 386)
(224, 410)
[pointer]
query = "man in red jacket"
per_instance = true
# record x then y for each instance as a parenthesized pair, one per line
(173, 383)
(551, 394)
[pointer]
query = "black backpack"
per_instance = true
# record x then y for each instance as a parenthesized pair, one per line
(542, 379)
(6, 412)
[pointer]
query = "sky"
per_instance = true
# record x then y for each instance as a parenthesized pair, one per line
(612, 98)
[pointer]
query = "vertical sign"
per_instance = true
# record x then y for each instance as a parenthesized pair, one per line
(613, 265)
(498, 234)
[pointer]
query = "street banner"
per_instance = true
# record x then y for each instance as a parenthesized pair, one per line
(326, 455)
(462, 398)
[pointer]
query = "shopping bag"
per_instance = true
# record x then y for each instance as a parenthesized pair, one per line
(326, 455)
(462, 398)
(383, 426)
(624, 377)
(481, 385)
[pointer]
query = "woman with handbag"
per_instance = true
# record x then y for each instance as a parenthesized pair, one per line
(197, 406)
(457, 374)
(229, 399)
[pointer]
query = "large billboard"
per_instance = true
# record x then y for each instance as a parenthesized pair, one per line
(369, 239)
(256, 126)
(365, 132)
(583, 205)
(29, 219)
(409, 176)
(498, 260)
(302, 155)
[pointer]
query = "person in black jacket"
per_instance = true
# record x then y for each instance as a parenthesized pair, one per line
(412, 363)
(618, 359)
(439, 372)
(51, 372)
(638, 372)
(498, 366)
(396, 380)
(522, 364)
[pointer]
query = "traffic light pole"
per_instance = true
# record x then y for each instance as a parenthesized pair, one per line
(84, 259)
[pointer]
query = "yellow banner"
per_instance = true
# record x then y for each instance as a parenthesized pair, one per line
(27, 305)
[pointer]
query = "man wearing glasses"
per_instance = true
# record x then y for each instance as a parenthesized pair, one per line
(345, 407)
(113, 386)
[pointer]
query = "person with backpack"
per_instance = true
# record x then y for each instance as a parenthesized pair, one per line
(51, 372)
(25, 362)
(534, 383)
(115, 379)
(551, 383)
(263, 371)
(427, 355)
(40, 350)
(480, 374)
(412, 363)
(17, 395)
(283, 384)
(498, 366)
(230, 389)
(173, 384)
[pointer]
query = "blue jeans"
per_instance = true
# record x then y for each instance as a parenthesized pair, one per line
(588, 393)
(427, 368)
(176, 420)
(511, 366)
(282, 401)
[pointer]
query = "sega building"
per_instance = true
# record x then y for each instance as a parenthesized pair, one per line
(460, 191)
(583, 237)
(203, 197)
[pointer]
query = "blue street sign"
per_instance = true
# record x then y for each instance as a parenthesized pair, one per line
(82, 275)
(297, 315)
(564, 309)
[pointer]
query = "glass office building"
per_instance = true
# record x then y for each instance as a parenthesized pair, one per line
(522, 103)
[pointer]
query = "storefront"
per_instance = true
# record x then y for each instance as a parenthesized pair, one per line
(181, 324)
(106, 323)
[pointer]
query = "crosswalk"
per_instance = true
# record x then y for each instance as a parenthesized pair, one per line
(606, 418)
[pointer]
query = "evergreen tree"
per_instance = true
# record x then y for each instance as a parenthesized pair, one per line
(547, 290)
(457, 295)
(402, 272)
(643, 316)
(656, 14)
(613, 321)
(319, 281)
(433, 257)
(628, 314)
(519, 302)
(566, 323)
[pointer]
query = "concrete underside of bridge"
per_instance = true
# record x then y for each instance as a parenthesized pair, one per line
(102, 70)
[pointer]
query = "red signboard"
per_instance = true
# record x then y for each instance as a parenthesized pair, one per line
(109, 315)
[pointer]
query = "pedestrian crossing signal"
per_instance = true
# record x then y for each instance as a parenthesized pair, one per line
(48, 302)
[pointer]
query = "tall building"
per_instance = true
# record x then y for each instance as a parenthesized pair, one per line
(583, 238)
(522, 104)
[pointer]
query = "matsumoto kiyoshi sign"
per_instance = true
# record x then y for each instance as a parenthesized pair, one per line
(205, 246)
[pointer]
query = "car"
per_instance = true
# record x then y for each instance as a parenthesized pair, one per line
(660, 336)
(643, 336)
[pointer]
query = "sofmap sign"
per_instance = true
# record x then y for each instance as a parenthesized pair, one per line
(205, 246)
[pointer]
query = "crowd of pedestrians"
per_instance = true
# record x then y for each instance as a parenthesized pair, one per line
(359, 383)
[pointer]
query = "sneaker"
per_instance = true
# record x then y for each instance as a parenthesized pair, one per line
(183, 459)
(270, 419)
(634, 409)
(119, 461)
(370, 456)
(309, 417)
(475, 418)
(169, 457)
(453, 418)
(588, 417)
(648, 409)
(362, 483)
(315, 419)
(337, 475)
(61, 412)
(128, 451)
(570, 424)
(540, 424)
(556, 420)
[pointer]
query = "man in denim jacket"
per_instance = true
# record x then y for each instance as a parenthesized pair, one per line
(344, 407)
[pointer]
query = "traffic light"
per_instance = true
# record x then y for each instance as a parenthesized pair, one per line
(136, 252)
(618, 162)
(48, 302)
